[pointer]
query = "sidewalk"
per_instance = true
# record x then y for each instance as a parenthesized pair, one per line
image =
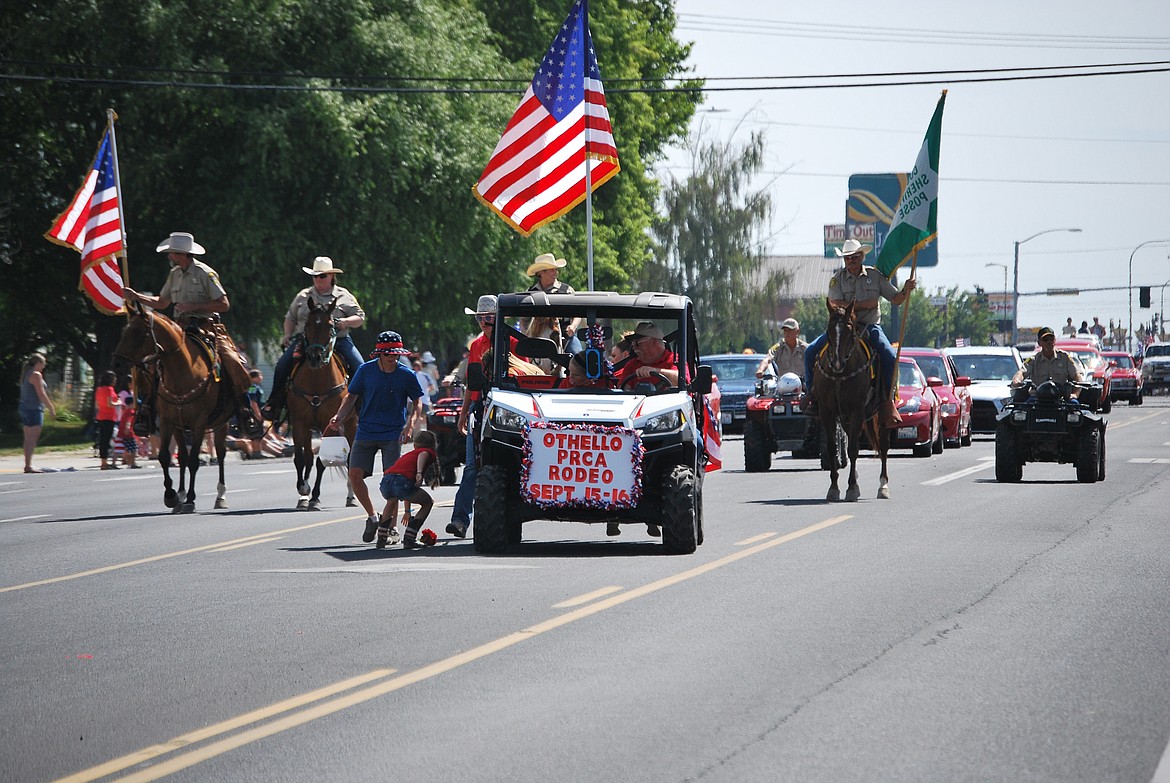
(84, 459)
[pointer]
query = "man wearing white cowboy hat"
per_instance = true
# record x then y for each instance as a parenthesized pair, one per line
(485, 316)
(546, 268)
(382, 388)
(788, 354)
(347, 314)
(197, 294)
(862, 286)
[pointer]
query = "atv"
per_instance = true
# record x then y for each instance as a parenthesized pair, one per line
(775, 423)
(1043, 424)
(442, 421)
(602, 453)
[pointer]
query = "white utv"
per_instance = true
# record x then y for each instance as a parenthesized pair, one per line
(607, 453)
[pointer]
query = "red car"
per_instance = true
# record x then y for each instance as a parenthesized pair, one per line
(1125, 380)
(921, 428)
(1090, 356)
(953, 394)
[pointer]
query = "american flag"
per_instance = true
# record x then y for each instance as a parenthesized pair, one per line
(537, 171)
(92, 225)
(712, 438)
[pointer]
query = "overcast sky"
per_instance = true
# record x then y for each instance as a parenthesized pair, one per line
(1017, 158)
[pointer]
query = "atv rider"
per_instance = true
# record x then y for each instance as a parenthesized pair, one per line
(1049, 364)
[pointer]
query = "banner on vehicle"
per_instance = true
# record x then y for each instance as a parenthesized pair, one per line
(581, 466)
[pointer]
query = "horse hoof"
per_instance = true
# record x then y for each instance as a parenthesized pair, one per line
(852, 495)
(220, 503)
(304, 488)
(314, 505)
(302, 505)
(188, 508)
(350, 503)
(177, 509)
(170, 499)
(883, 493)
(834, 495)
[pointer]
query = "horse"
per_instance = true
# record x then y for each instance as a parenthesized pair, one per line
(842, 385)
(315, 394)
(190, 398)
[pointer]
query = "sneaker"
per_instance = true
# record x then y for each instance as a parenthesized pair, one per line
(457, 529)
(394, 537)
(371, 529)
(653, 530)
(411, 543)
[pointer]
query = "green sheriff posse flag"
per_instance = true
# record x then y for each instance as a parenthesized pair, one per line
(916, 221)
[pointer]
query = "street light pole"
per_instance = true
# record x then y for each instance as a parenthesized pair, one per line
(1016, 278)
(1129, 335)
(1005, 290)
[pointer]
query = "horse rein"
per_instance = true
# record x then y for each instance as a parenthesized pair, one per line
(828, 367)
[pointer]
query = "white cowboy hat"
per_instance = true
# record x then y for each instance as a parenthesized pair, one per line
(180, 242)
(322, 265)
(546, 261)
(852, 246)
(486, 304)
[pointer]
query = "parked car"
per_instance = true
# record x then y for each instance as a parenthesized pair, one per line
(1125, 382)
(991, 369)
(954, 394)
(1156, 368)
(736, 375)
(1095, 365)
(921, 428)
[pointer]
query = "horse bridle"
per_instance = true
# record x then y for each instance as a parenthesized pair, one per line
(830, 368)
(326, 348)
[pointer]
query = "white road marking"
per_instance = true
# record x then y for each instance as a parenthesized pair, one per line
(22, 519)
(268, 472)
(14, 491)
(128, 478)
(958, 474)
(17, 483)
(1138, 461)
(390, 568)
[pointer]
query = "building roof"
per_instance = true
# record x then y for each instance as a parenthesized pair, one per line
(808, 275)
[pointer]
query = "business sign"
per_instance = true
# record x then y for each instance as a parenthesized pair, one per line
(582, 465)
(835, 236)
(1000, 306)
(871, 206)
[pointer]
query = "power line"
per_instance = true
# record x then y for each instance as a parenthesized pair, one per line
(944, 178)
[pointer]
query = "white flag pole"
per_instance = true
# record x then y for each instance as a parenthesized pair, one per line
(588, 167)
(124, 263)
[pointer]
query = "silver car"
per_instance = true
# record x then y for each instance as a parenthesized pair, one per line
(991, 369)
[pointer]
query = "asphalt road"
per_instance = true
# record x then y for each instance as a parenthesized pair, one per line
(963, 630)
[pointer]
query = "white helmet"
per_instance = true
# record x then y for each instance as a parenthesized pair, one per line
(789, 383)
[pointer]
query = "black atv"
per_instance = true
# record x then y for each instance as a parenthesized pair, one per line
(1042, 424)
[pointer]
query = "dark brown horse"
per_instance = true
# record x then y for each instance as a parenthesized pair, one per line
(315, 393)
(843, 386)
(191, 400)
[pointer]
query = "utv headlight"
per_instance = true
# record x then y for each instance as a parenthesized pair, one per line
(504, 419)
(1019, 415)
(663, 422)
(1074, 417)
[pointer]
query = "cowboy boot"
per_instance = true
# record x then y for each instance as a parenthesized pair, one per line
(275, 405)
(251, 424)
(889, 416)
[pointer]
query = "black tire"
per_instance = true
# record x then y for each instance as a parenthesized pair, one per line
(965, 440)
(1101, 458)
(1008, 469)
(1138, 400)
(940, 441)
(1106, 405)
(490, 531)
(680, 516)
(757, 447)
(1089, 455)
(923, 450)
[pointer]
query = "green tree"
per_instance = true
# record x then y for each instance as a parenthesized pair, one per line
(708, 243)
(266, 180)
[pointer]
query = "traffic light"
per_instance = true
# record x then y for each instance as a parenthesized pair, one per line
(1144, 296)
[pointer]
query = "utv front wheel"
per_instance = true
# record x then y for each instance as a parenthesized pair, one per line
(1089, 456)
(1007, 458)
(680, 529)
(490, 531)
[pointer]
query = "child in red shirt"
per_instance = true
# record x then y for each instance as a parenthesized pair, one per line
(404, 481)
(106, 405)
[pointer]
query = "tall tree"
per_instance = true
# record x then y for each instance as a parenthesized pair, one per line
(708, 243)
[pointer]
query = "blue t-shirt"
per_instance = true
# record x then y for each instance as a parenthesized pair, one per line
(384, 398)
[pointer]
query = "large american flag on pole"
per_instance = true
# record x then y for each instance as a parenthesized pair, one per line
(92, 225)
(537, 171)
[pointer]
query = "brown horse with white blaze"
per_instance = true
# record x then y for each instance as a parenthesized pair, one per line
(190, 398)
(843, 386)
(314, 396)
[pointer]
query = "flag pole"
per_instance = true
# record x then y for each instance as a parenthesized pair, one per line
(123, 262)
(905, 315)
(588, 168)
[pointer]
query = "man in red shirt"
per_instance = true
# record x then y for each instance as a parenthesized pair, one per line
(651, 355)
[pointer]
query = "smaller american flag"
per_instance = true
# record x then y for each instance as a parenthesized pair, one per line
(537, 171)
(92, 225)
(712, 439)
(962, 342)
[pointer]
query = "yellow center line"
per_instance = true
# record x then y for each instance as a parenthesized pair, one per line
(207, 732)
(199, 755)
(584, 599)
(247, 543)
(1138, 420)
(167, 556)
